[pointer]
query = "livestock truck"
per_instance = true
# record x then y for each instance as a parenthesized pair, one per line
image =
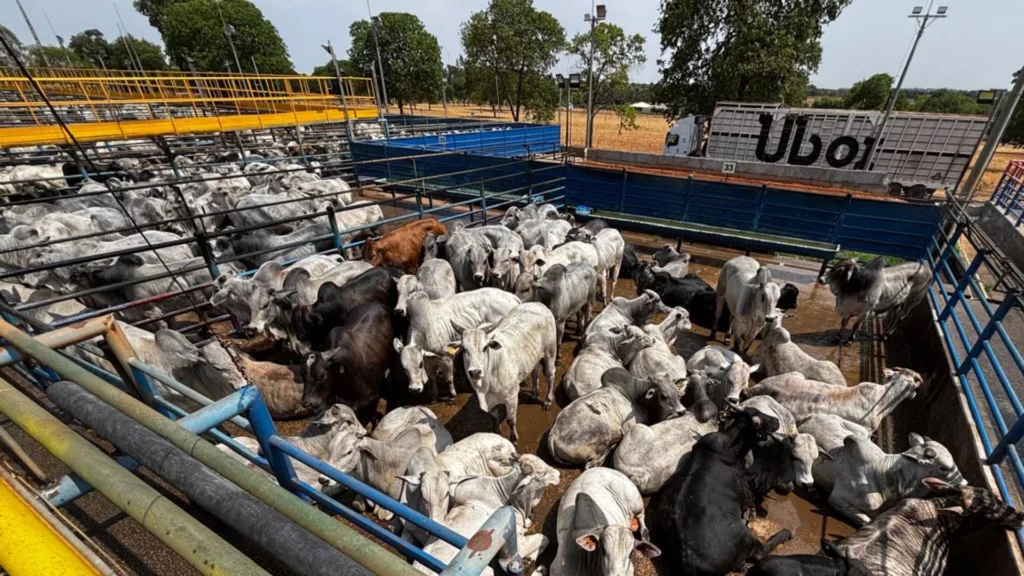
(918, 154)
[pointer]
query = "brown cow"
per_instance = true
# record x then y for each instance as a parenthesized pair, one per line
(403, 248)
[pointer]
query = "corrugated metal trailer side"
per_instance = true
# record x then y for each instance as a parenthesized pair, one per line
(931, 150)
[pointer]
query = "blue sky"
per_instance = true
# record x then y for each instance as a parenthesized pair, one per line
(976, 46)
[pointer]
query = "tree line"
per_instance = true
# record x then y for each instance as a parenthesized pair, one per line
(711, 51)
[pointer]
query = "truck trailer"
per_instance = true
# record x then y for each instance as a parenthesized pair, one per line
(919, 152)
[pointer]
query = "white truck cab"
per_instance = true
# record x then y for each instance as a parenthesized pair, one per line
(685, 136)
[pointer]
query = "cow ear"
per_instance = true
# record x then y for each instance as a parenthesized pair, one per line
(398, 345)
(958, 510)
(410, 480)
(647, 549)
(755, 368)
(588, 542)
(888, 373)
(133, 260)
(916, 439)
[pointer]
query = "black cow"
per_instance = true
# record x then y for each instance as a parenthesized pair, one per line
(593, 226)
(700, 511)
(833, 563)
(629, 262)
(102, 173)
(354, 369)
(313, 324)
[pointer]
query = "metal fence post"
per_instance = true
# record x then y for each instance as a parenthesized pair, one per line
(686, 197)
(622, 191)
(979, 258)
(332, 218)
(1016, 195)
(759, 207)
(204, 250)
(944, 255)
(263, 427)
(483, 201)
(841, 218)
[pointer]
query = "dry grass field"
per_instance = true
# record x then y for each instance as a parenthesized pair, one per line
(650, 136)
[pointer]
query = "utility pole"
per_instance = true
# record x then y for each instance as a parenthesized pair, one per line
(924, 19)
(376, 100)
(994, 137)
(32, 29)
(229, 31)
(497, 95)
(444, 88)
(129, 43)
(341, 88)
(374, 22)
(593, 18)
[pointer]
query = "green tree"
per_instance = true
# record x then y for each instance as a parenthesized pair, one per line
(192, 29)
(92, 46)
(519, 44)
(149, 55)
(869, 94)
(16, 46)
(615, 54)
(830, 102)
(410, 57)
(57, 57)
(154, 10)
(458, 89)
(627, 117)
(946, 101)
(749, 50)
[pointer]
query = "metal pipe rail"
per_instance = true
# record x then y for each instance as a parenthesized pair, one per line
(978, 343)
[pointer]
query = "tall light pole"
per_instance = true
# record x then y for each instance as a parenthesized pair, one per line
(374, 22)
(341, 88)
(32, 29)
(593, 18)
(924, 19)
(992, 142)
(229, 31)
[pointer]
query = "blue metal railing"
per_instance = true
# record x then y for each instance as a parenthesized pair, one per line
(1008, 196)
(976, 336)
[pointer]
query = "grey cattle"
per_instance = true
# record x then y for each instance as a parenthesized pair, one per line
(829, 430)
(669, 260)
(498, 360)
(475, 499)
(770, 407)
(862, 291)
(515, 215)
(777, 354)
(802, 448)
(429, 478)
(435, 277)
(861, 480)
(746, 288)
(660, 360)
(597, 517)
(17, 245)
(469, 254)
(398, 420)
(588, 429)
(537, 260)
(866, 404)
(362, 217)
(380, 463)
(329, 432)
(567, 291)
(258, 210)
(726, 368)
(236, 294)
(614, 348)
(257, 247)
(649, 455)
(914, 537)
(435, 325)
(621, 312)
(546, 233)
(609, 245)
(505, 248)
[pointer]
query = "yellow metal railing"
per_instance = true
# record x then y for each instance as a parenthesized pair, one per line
(115, 104)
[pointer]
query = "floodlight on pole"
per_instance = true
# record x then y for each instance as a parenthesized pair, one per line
(341, 88)
(924, 19)
(594, 17)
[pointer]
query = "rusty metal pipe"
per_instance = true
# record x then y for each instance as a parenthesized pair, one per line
(23, 456)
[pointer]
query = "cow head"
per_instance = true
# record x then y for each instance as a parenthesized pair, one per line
(210, 370)
(414, 361)
(317, 368)
(788, 296)
(629, 341)
(803, 451)
(932, 459)
(579, 235)
(643, 276)
(614, 542)
(971, 502)
(667, 253)
(764, 298)
(533, 260)
(704, 410)
(524, 287)
(477, 346)
(661, 400)
(479, 262)
(434, 488)
(903, 383)
(650, 304)
(672, 326)
(407, 285)
(511, 218)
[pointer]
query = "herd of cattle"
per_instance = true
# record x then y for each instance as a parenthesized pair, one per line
(433, 309)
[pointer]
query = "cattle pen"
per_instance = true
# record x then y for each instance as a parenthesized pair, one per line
(61, 316)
